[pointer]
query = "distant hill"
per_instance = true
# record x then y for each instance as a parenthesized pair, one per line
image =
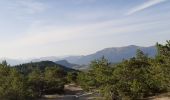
(72, 59)
(70, 65)
(65, 63)
(28, 67)
(114, 55)
(61, 60)
(48, 58)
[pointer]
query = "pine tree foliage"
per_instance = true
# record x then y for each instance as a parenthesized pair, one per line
(136, 78)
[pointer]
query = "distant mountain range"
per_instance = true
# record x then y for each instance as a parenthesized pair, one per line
(114, 55)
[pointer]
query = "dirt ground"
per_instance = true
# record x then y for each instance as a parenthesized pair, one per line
(72, 92)
(165, 96)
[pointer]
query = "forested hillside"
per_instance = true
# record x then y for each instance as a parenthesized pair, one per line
(42, 65)
(32, 80)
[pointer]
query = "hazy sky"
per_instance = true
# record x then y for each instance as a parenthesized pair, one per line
(36, 28)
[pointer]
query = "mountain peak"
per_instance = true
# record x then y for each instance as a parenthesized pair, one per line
(116, 54)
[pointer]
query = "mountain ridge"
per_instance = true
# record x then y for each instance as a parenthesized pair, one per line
(116, 54)
(113, 54)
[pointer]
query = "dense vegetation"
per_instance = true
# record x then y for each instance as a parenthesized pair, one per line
(32, 80)
(132, 79)
(136, 78)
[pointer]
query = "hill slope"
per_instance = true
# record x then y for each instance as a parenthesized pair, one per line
(28, 67)
(65, 63)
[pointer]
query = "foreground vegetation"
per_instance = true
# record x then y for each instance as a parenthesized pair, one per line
(136, 78)
(32, 80)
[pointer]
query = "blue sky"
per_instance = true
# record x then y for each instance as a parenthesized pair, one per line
(37, 28)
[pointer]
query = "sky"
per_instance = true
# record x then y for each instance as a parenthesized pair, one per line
(39, 28)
